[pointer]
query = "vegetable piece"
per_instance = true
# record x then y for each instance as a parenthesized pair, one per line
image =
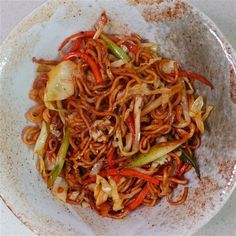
(61, 155)
(75, 46)
(50, 105)
(94, 67)
(40, 143)
(125, 172)
(131, 47)
(186, 158)
(134, 173)
(115, 49)
(156, 152)
(101, 24)
(60, 85)
(117, 201)
(117, 63)
(39, 146)
(137, 121)
(60, 189)
(196, 113)
(102, 190)
(96, 167)
(139, 199)
(87, 34)
(195, 76)
(159, 101)
(151, 46)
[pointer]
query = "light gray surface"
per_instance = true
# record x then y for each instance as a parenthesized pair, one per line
(222, 12)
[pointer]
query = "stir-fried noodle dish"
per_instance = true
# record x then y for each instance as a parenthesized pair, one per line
(115, 124)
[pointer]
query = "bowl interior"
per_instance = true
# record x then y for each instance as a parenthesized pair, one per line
(183, 34)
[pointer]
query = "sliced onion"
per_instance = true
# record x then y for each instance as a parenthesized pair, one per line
(118, 63)
(169, 67)
(49, 163)
(117, 201)
(128, 143)
(196, 106)
(97, 167)
(101, 24)
(60, 189)
(158, 102)
(152, 46)
(137, 120)
(207, 113)
(74, 195)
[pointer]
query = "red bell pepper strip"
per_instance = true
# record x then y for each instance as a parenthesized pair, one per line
(87, 34)
(131, 47)
(94, 67)
(75, 46)
(139, 199)
(195, 76)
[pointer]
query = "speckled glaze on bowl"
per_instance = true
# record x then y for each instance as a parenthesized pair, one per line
(184, 34)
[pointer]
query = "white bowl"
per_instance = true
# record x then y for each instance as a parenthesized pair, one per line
(184, 34)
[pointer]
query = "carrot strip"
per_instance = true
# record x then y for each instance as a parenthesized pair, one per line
(117, 178)
(94, 67)
(87, 34)
(134, 173)
(139, 199)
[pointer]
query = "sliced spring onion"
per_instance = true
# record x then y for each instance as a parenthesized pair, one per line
(61, 155)
(186, 158)
(156, 152)
(115, 49)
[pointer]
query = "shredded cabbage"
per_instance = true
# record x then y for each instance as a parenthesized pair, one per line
(39, 146)
(104, 190)
(60, 85)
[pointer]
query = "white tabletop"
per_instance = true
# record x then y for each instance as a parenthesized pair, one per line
(222, 12)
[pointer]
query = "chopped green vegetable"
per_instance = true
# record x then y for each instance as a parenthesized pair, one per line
(186, 158)
(61, 155)
(156, 152)
(115, 49)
